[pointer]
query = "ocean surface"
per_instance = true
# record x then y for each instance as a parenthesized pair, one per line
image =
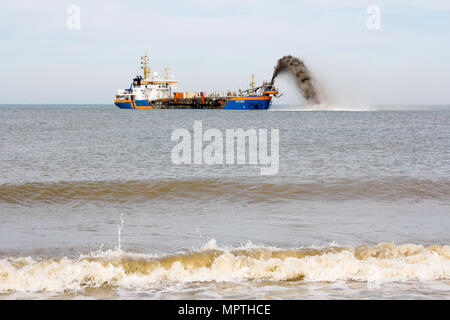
(92, 206)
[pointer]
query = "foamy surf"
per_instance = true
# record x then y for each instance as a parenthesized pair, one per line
(323, 107)
(385, 262)
(357, 108)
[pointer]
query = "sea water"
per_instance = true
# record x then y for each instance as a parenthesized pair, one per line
(91, 205)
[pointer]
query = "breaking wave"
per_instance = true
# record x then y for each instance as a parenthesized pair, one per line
(389, 188)
(385, 262)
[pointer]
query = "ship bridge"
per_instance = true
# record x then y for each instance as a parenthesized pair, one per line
(145, 89)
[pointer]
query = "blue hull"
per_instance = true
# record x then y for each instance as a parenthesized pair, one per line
(137, 104)
(235, 103)
(252, 103)
(124, 105)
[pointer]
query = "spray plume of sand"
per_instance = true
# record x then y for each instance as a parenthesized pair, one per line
(297, 68)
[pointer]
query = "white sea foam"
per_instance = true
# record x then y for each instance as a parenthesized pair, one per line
(334, 107)
(385, 262)
(323, 107)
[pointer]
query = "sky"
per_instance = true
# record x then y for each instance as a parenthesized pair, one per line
(218, 45)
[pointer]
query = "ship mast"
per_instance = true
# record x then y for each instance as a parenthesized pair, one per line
(144, 66)
(252, 84)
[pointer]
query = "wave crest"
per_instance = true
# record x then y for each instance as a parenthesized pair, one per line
(385, 262)
(389, 188)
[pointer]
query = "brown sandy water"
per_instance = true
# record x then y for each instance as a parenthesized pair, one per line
(358, 209)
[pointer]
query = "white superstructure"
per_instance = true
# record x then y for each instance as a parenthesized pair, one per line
(144, 90)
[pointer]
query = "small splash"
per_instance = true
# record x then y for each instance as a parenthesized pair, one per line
(120, 227)
(210, 245)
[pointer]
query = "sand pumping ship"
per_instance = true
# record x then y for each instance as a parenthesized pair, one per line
(160, 92)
